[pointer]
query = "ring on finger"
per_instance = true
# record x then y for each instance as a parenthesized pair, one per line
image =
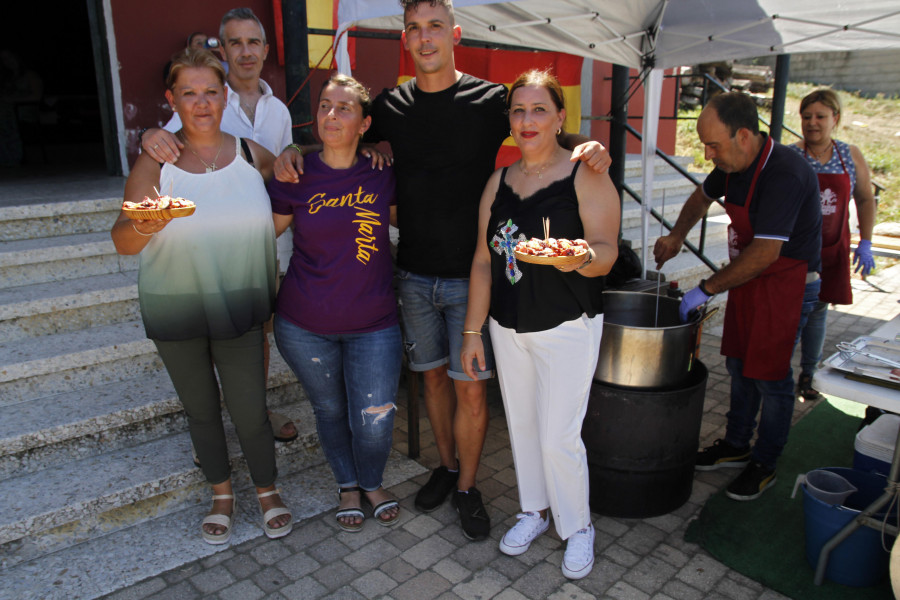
(155, 146)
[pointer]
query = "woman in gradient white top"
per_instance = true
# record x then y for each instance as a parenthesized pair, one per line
(207, 284)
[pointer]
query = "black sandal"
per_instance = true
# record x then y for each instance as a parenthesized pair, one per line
(350, 512)
(381, 507)
(806, 391)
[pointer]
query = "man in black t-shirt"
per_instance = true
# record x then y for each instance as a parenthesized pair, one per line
(775, 239)
(445, 128)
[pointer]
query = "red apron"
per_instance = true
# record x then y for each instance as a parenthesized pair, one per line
(834, 193)
(761, 317)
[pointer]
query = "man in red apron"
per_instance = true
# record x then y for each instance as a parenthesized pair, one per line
(772, 198)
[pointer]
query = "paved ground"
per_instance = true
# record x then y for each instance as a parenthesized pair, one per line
(426, 556)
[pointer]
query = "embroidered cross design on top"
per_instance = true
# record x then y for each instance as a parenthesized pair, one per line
(504, 243)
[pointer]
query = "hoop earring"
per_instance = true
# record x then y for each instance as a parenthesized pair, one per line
(559, 131)
(510, 133)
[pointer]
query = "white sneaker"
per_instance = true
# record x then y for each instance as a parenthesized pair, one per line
(579, 557)
(519, 538)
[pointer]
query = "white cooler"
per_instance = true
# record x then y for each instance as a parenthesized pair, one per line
(874, 445)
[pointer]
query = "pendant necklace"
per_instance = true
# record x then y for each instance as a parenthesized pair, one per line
(209, 167)
(538, 172)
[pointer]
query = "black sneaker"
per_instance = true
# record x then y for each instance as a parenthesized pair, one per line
(720, 455)
(752, 482)
(435, 490)
(476, 524)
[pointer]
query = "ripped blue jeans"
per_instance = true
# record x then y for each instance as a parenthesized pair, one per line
(351, 381)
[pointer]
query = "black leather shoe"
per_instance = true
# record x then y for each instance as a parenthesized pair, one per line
(435, 490)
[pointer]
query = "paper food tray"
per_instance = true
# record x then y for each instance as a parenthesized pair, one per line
(863, 366)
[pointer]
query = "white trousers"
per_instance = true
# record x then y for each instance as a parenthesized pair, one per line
(545, 379)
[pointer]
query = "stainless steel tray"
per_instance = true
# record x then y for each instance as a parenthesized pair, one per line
(863, 366)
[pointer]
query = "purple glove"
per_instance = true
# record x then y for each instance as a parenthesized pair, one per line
(862, 257)
(690, 302)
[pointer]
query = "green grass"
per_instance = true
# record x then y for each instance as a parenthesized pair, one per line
(872, 124)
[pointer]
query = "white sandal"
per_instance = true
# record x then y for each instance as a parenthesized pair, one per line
(219, 519)
(275, 532)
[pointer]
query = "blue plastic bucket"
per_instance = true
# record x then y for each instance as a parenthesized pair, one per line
(860, 560)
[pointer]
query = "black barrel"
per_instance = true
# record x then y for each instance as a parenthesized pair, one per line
(642, 444)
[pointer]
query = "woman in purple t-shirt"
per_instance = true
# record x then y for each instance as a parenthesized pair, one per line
(336, 316)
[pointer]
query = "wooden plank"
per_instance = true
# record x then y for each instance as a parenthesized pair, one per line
(880, 241)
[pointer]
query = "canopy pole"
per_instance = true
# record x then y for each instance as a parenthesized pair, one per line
(779, 93)
(617, 134)
(652, 97)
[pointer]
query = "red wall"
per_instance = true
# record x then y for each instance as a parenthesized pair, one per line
(146, 38)
(149, 33)
(602, 102)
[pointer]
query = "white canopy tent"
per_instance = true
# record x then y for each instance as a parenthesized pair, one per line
(655, 35)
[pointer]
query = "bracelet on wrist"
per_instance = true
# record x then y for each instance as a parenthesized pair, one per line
(295, 147)
(465, 331)
(139, 232)
(703, 289)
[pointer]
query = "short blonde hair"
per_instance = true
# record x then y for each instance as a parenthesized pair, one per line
(196, 59)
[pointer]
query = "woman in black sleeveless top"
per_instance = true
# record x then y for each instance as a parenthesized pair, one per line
(545, 321)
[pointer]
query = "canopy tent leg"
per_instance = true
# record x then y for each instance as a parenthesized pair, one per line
(652, 98)
(779, 93)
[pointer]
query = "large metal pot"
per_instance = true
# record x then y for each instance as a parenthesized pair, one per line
(644, 342)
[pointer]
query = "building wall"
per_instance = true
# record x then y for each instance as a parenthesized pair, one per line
(148, 34)
(602, 104)
(870, 72)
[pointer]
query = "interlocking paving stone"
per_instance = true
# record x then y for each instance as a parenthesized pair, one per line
(427, 556)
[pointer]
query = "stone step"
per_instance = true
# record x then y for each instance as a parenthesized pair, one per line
(36, 367)
(161, 468)
(52, 430)
(33, 221)
(61, 306)
(126, 556)
(633, 165)
(716, 231)
(687, 269)
(674, 200)
(67, 257)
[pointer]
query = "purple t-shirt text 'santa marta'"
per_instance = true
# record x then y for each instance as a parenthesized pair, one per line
(340, 276)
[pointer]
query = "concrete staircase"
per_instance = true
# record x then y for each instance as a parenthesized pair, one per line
(97, 487)
(671, 190)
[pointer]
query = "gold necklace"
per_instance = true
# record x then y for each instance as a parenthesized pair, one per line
(212, 166)
(538, 172)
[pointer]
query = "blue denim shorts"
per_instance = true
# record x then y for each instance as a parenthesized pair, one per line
(432, 315)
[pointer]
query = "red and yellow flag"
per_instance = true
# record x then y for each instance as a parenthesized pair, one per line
(320, 14)
(503, 66)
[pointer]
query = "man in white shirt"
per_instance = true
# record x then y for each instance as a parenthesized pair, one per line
(251, 112)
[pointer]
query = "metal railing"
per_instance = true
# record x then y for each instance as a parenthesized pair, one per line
(700, 248)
